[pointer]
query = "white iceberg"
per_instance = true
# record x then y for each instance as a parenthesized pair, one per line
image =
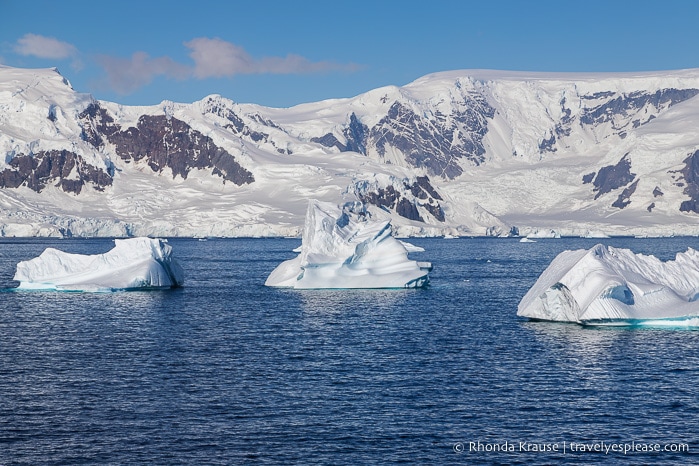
(345, 248)
(610, 286)
(134, 263)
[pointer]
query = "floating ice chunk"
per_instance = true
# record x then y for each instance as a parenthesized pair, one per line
(526, 240)
(134, 263)
(610, 286)
(344, 248)
(411, 247)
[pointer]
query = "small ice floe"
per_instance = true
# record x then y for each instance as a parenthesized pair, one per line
(345, 248)
(527, 240)
(133, 264)
(610, 286)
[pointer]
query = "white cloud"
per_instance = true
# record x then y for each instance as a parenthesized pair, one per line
(44, 47)
(216, 58)
(213, 58)
(125, 75)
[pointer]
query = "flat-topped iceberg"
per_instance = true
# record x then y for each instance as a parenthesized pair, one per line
(610, 286)
(345, 248)
(134, 263)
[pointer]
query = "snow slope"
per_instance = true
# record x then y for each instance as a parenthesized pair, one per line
(473, 152)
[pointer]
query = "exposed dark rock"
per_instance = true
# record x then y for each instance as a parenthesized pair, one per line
(384, 197)
(264, 121)
(169, 142)
(43, 168)
(690, 172)
(212, 106)
(657, 192)
(436, 210)
(417, 190)
(407, 209)
(624, 198)
(629, 104)
(423, 193)
(96, 124)
(424, 183)
(548, 145)
(613, 177)
(598, 95)
(563, 127)
(225, 166)
(622, 111)
(435, 143)
(651, 207)
(691, 205)
(238, 126)
(52, 113)
(588, 178)
(422, 189)
(164, 143)
(329, 140)
(256, 135)
(355, 133)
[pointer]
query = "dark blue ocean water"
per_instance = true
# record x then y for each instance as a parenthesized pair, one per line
(227, 371)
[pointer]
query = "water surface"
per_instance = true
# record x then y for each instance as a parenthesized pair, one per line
(227, 371)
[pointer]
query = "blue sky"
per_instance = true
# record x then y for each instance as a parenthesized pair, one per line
(282, 53)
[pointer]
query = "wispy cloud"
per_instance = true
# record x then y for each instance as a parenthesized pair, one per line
(48, 47)
(44, 47)
(125, 75)
(216, 58)
(212, 58)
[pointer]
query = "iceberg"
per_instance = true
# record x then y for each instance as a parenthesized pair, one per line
(133, 264)
(609, 286)
(345, 248)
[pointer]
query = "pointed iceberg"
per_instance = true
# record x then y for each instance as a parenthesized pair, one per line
(134, 263)
(610, 286)
(345, 248)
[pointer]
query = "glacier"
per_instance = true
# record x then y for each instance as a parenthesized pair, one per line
(604, 285)
(133, 264)
(343, 247)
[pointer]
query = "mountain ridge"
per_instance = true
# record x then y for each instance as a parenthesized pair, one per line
(475, 152)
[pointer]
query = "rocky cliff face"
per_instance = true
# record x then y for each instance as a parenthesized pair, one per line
(435, 143)
(611, 177)
(162, 142)
(411, 199)
(64, 169)
(690, 176)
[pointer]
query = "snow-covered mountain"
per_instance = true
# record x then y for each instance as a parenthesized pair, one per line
(458, 153)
